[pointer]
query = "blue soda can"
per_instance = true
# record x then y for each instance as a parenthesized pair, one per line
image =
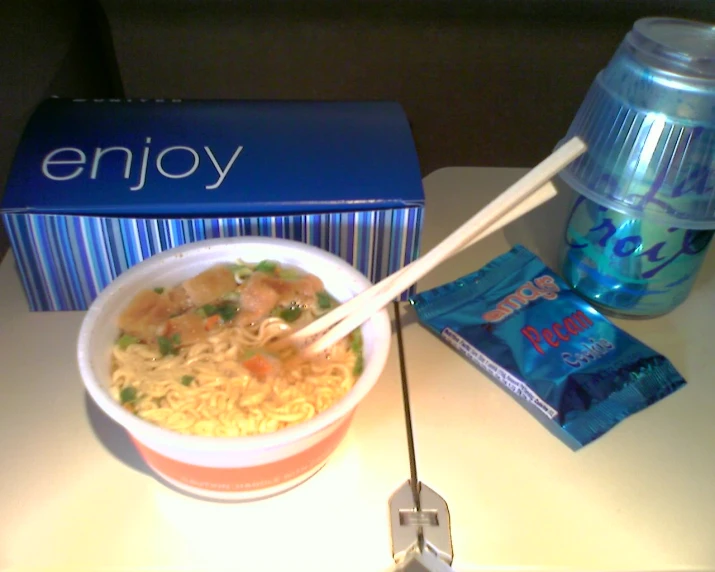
(637, 235)
(629, 267)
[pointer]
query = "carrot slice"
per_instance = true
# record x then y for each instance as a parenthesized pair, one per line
(212, 321)
(260, 364)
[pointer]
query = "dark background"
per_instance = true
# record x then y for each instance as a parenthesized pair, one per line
(484, 82)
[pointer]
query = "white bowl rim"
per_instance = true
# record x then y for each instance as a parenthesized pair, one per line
(147, 432)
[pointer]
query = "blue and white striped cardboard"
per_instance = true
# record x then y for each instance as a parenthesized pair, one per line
(73, 234)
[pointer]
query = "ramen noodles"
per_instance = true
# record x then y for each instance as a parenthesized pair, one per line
(192, 358)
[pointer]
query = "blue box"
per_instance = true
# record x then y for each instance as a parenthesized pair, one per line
(99, 185)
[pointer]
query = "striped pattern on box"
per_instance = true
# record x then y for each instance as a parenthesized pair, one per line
(65, 261)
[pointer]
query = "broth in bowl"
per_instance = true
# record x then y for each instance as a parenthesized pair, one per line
(175, 338)
(195, 357)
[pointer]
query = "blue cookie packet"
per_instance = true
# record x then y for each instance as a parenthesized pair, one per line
(521, 323)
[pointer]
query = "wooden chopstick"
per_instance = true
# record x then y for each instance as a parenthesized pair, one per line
(379, 295)
(545, 193)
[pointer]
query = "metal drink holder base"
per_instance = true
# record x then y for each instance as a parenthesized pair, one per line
(419, 517)
(420, 535)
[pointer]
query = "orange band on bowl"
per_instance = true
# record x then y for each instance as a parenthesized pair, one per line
(245, 478)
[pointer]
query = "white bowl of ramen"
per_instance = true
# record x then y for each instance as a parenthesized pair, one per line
(219, 439)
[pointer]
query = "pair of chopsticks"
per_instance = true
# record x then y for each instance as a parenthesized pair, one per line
(526, 194)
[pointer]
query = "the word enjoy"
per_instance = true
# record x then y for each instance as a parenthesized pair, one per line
(67, 163)
(541, 287)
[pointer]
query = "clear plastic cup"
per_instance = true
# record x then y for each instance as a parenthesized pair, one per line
(649, 123)
(644, 213)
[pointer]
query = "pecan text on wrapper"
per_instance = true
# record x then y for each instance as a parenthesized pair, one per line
(561, 330)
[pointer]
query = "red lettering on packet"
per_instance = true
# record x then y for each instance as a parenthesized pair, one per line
(550, 337)
(559, 331)
(532, 334)
(574, 324)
